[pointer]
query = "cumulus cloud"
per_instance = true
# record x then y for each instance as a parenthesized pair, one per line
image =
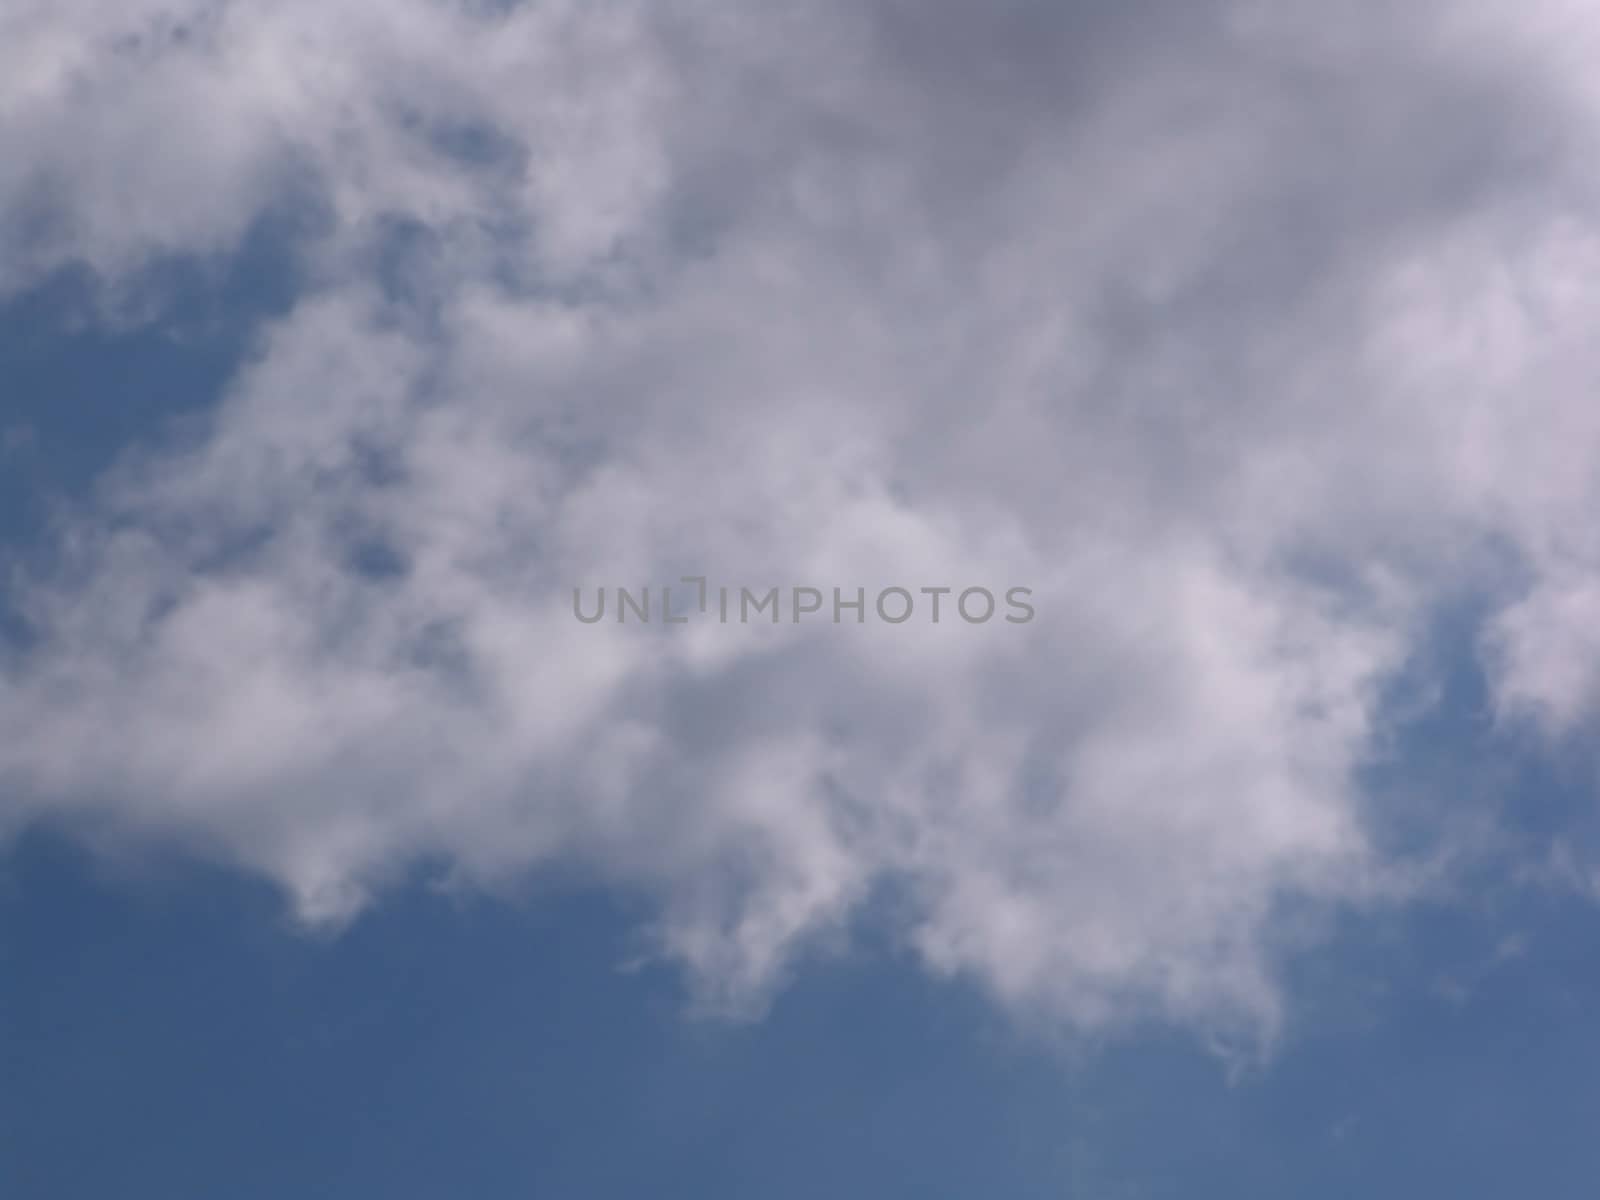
(1245, 335)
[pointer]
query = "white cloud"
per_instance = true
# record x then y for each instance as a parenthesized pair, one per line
(1241, 333)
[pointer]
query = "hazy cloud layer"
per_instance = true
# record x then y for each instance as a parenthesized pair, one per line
(1247, 335)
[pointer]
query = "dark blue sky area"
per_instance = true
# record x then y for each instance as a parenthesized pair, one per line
(166, 1034)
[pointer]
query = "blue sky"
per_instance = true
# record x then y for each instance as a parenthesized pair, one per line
(200, 1047)
(341, 343)
(165, 1034)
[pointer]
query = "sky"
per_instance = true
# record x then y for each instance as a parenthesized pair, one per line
(346, 347)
